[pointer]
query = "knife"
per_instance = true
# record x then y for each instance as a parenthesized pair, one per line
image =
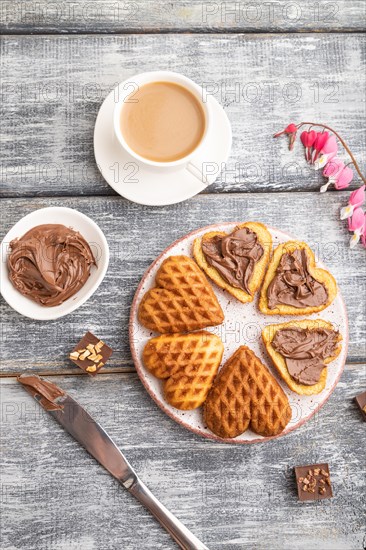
(78, 423)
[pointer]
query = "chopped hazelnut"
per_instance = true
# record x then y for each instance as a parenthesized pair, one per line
(92, 368)
(98, 346)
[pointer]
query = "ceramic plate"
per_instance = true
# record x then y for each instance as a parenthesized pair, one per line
(92, 234)
(242, 325)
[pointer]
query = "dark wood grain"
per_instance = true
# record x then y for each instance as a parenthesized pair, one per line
(55, 496)
(52, 88)
(136, 235)
(108, 16)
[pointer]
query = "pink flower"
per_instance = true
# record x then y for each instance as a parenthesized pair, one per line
(363, 237)
(331, 171)
(344, 178)
(356, 198)
(307, 139)
(320, 140)
(329, 150)
(291, 129)
(356, 224)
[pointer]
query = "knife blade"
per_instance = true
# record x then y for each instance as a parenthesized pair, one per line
(90, 434)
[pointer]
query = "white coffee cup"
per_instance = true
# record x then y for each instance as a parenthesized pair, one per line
(125, 91)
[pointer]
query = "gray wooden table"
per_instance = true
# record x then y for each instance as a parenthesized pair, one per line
(289, 61)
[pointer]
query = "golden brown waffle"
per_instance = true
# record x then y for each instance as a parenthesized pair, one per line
(246, 395)
(264, 238)
(188, 362)
(268, 334)
(182, 300)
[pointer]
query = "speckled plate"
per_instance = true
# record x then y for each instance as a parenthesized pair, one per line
(242, 325)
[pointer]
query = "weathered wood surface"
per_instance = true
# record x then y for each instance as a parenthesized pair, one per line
(117, 16)
(136, 235)
(56, 497)
(52, 88)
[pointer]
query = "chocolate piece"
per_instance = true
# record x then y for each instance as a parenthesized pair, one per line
(90, 354)
(293, 285)
(48, 391)
(305, 350)
(234, 256)
(361, 402)
(50, 263)
(313, 482)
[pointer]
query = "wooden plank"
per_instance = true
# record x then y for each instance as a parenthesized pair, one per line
(55, 496)
(137, 234)
(52, 88)
(108, 16)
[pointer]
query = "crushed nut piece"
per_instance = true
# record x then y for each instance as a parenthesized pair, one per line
(90, 347)
(324, 473)
(316, 471)
(92, 357)
(100, 365)
(98, 358)
(92, 368)
(74, 355)
(98, 346)
(84, 355)
(322, 490)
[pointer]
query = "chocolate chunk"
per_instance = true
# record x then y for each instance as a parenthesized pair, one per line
(313, 482)
(90, 354)
(361, 402)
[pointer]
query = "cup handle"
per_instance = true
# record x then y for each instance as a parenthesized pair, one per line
(196, 172)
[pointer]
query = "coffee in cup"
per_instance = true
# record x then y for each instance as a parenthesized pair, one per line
(162, 121)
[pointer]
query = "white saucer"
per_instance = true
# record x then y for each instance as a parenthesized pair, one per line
(91, 233)
(153, 186)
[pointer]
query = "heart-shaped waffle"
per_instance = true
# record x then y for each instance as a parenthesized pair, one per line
(246, 395)
(263, 239)
(182, 300)
(293, 285)
(187, 362)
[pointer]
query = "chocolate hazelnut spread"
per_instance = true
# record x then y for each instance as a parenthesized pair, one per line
(48, 391)
(304, 351)
(293, 285)
(234, 256)
(50, 263)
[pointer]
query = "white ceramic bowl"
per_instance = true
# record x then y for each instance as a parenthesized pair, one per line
(92, 234)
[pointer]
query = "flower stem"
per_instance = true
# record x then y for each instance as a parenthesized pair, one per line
(342, 142)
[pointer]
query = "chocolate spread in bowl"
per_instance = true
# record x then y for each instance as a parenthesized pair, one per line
(234, 256)
(305, 350)
(293, 285)
(50, 263)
